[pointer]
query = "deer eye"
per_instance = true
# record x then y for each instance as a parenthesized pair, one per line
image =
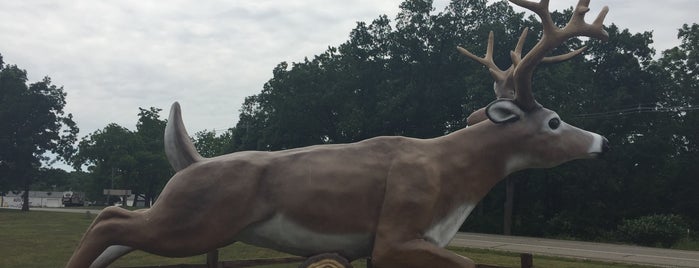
(554, 123)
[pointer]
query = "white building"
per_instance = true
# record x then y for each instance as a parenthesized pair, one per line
(36, 199)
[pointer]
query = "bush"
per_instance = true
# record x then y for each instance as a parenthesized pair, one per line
(652, 230)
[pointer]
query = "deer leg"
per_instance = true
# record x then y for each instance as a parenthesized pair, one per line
(419, 253)
(110, 255)
(113, 226)
(161, 230)
(406, 213)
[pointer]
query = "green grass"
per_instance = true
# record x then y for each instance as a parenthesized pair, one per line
(687, 244)
(47, 239)
(39, 239)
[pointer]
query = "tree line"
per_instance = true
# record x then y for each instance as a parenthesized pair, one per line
(405, 77)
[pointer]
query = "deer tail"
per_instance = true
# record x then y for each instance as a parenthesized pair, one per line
(179, 148)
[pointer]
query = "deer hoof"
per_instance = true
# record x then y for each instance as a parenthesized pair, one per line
(326, 260)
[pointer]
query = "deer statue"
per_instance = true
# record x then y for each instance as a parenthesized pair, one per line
(396, 200)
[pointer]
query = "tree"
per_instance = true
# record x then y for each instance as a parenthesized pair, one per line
(679, 71)
(408, 80)
(121, 158)
(51, 179)
(32, 123)
(209, 144)
(108, 155)
(153, 170)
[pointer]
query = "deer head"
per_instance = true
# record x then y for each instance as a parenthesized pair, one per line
(551, 140)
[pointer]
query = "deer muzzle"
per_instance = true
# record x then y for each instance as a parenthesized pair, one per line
(599, 146)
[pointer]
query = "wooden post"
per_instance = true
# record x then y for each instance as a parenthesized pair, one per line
(526, 260)
(212, 259)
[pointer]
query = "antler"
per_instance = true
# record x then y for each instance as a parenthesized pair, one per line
(503, 79)
(552, 37)
(517, 54)
(504, 87)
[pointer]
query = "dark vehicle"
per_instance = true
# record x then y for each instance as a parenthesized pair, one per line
(73, 199)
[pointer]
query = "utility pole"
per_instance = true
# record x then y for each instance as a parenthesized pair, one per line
(509, 204)
(112, 187)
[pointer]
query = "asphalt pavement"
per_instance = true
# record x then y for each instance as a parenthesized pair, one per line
(580, 250)
(82, 210)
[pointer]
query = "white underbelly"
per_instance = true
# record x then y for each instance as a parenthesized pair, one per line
(443, 230)
(282, 234)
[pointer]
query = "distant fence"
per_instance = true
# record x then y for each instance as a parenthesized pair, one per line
(526, 261)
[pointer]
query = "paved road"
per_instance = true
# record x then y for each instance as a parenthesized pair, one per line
(582, 250)
(70, 210)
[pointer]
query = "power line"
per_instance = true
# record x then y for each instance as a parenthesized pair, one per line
(638, 110)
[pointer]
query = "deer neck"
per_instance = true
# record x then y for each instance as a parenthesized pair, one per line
(478, 157)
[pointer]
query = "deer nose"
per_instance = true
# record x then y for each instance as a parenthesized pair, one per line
(605, 145)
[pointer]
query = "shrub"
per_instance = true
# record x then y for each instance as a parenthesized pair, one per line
(665, 229)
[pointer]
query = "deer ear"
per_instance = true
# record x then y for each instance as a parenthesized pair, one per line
(476, 117)
(503, 111)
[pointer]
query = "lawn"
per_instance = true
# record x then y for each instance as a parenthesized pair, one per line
(47, 239)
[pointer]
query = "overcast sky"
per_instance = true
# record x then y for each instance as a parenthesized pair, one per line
(115, 56)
